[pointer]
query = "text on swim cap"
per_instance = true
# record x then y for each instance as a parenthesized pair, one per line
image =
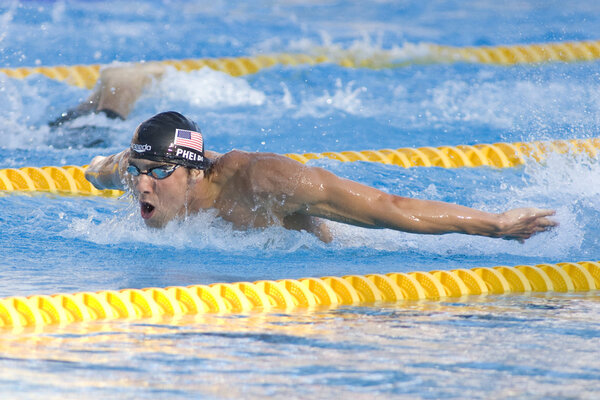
(140, 148)
(189, 155)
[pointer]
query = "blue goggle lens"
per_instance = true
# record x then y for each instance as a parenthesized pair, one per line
(161, 172)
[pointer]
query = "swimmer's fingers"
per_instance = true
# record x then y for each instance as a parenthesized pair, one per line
(520, 224)
(546, 223)
(543, 224)
(543, 220)
(543, 213)
(524, 236)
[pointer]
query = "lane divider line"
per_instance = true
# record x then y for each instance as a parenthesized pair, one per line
(86, 76)
(19, 312)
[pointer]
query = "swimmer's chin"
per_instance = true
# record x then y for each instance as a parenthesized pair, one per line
(155, 224)
(151, 217)
(155, 221)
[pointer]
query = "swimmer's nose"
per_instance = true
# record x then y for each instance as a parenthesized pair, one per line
(144, 184)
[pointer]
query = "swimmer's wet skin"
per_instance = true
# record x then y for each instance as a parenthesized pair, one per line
(171, 175)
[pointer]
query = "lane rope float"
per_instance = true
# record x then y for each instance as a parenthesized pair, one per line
(65, 180)
(499, 155)
(85, 76)
(289, 294)
(70, 180)
(521, 54)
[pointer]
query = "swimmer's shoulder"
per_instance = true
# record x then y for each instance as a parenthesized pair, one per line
(226, 165)
(236, 159)
(235, 162)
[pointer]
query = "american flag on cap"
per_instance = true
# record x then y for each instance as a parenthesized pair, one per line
(189, 139)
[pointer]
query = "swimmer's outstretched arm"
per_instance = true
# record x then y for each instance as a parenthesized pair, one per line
(108, 172)
(323, 194)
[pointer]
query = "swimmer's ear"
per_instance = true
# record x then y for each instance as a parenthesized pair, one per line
(195, 174)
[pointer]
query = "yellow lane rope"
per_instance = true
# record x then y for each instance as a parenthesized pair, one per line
(521, 54)
(71, 180)
(500, 155)
(66, 180)
(290, 294)
(86, 75)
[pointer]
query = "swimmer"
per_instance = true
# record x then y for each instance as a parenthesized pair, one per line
(116, 92)
(172, 176)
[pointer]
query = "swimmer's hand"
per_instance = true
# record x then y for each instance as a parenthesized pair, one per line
(522, 223)
(108, 172)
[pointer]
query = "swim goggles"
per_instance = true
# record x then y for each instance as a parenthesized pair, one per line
(160, 172)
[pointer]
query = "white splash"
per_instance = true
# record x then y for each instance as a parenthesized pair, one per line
(528, 105)
(345, 98)
(205, 88)
(22, 104)
(367, 49)
(552, 244)
(201, 231)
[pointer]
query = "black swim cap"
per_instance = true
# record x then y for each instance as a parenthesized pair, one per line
(170, 137)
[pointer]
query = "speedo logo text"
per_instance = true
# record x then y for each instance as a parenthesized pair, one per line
(140, 148)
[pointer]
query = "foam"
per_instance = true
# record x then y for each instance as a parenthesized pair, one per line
(365, 48)
(556, 243)
(516, 105)
(206, 231)
(201, 231)
(345, 98)
(22, 104)
(205, 88)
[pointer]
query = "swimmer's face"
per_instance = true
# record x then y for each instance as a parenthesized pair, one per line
(160, 200)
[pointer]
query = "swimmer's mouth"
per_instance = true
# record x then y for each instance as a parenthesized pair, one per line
(146, 209)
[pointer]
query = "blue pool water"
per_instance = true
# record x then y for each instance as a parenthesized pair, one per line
(535, 346)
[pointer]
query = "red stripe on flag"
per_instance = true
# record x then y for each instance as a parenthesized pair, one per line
(195, 141)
